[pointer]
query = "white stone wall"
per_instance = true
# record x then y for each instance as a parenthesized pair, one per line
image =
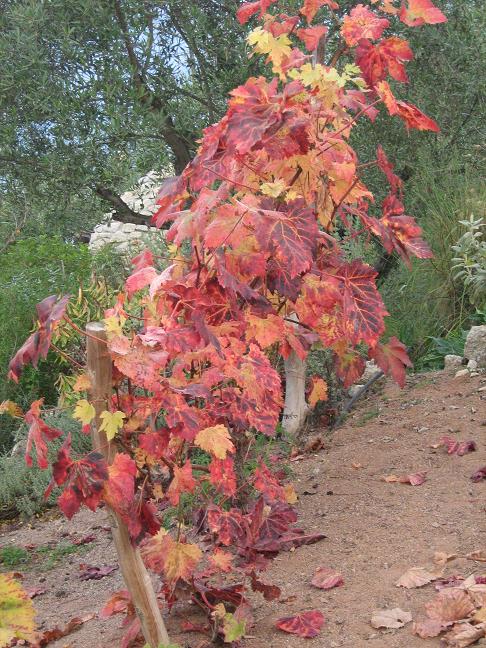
(126, 237)
(123, 236)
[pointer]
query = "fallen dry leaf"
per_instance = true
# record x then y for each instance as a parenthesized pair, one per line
(395, 618)
(469, 582)
(416, 577)
(479, 555)
(441, 558)
(32, 592)
(463, 635)
(415, 479)
(477, 593)
(450, 605)
(455, 580)
(326, 578)
(479, 475)
(426, 628)
(57, 633)
(480, 616)
(305, 624)
(91, 572)
(453, 446)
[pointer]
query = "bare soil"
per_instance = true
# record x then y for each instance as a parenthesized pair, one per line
(375, 530)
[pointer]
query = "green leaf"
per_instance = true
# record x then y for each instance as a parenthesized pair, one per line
(233, 629)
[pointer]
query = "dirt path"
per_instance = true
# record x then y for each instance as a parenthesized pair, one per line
(375, 530)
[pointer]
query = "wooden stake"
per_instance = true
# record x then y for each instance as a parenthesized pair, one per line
(133, 570)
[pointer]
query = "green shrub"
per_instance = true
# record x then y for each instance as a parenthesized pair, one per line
(30, 270)
(426, 302)
(22, 488)
(469, 264)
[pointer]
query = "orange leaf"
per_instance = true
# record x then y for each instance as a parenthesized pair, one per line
(318, 391)
(362, 23)
(216, 440)
(182, 482)
(174, 559)
(419, 12)
(311, 7)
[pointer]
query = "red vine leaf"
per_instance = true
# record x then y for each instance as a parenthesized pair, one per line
(326, 578)
(311, 36)
(39, 433)
(454, 446)
(386, 57)
(392, 358)
(362, 23)
(419, 12)
(249, 9)
(311, 7)
(305, 624)
(84, 480)
(49, 311)
(182, 482)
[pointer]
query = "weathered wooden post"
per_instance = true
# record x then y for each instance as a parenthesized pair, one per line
(133, 570)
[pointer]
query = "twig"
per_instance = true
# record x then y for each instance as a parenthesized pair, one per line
(349, 405)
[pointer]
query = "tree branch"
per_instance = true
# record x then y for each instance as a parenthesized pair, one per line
(123, 212)
(154, 102)
(176, 19)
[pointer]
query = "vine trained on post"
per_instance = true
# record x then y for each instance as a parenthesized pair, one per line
(192, 342)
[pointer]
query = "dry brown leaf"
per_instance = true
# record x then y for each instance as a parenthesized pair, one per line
(426, 628)
(416, 577)
(450, 605)
(415, 479)
(478, 594)
(469, 582)
(441, 558)
(480, 616)
(463, 635)
(395, 618)
(479, 555)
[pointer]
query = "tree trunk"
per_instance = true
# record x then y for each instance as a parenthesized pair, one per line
(295, 408)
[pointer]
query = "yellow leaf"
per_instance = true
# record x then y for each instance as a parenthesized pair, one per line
(111, 422)
(181, 559)
(84, 412)
(318, 392)
(291, 195)
(83, 383)
(114, 324)
(10, 408)
(265, 331)
(263, 42)
(16, 612)
(480, 616)
(290, 494)
(216, 440)
(273, 189)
